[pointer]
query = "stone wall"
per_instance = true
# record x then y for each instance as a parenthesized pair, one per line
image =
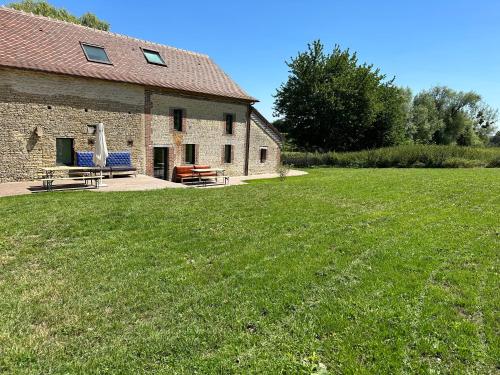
(63, 107)
(260, 138)
(203, 126)
(135, 120)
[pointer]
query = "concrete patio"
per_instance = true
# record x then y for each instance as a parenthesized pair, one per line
(139, 183)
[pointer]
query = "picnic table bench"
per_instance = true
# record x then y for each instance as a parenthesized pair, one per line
(199, 173)
(51, 174)
(219, 173)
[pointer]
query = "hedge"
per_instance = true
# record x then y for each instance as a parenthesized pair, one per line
(408, 156)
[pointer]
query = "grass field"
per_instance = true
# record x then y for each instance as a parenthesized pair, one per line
(342, 270)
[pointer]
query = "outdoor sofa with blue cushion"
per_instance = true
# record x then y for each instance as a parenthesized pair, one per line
(116, 162)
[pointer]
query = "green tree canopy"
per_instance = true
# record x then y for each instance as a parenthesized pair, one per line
(331, 102)
(445, 116)
(90, 20)
(43, 8)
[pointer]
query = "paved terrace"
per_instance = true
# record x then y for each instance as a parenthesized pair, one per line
(141, 182)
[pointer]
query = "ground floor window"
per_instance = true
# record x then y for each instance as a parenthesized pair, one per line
(228, 153)
(64, 151)
(190, 154)
(263, 154)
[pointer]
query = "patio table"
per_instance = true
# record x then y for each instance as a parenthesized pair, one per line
(49, 175)
(219, 173)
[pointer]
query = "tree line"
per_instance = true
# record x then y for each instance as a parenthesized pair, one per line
(332, 102)
(43, 8)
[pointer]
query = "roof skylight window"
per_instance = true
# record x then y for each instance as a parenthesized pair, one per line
(95, 53)
(153, 57)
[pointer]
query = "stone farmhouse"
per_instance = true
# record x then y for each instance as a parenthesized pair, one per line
(166, 106)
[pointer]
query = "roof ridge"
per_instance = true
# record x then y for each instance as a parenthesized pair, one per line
(3, 7)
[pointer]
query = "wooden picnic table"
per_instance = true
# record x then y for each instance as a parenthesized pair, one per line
(67, 168)
(50, 174)
(219, 173)
(201, 170)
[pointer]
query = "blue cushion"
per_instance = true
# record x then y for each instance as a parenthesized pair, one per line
(85, 159)
(114, 159)
(119, 159)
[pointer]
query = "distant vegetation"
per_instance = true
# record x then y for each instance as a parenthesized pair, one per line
(407, 156)
(495, 140)
(43, 8)
(331, 102)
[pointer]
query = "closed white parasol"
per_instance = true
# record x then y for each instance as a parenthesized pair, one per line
(101, 149)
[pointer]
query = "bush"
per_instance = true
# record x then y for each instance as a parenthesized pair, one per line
(462, 163)
(283, 170)
(408, 156)
(495, 163)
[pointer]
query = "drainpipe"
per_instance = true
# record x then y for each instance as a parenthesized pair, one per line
(247, 141)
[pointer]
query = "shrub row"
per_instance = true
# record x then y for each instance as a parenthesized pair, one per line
(408, 156)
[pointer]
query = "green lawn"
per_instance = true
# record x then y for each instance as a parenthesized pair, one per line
(359, 270)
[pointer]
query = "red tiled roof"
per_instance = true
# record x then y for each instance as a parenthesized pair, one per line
(39, 43)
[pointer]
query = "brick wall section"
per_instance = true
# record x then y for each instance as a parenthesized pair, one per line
(204, 126)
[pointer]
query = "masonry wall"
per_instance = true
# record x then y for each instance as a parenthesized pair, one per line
(135, 120)
(260, 139)
(63, 107)
(203, 126)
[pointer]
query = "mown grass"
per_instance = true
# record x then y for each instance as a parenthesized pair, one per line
(352, 270)
(408, 156)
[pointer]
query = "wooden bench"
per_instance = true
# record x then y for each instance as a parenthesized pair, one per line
(48, 182)
(198, 173)
(184, 173)
(204, 179)
(185, 178)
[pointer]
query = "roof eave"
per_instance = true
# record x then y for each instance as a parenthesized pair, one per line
(246, 100)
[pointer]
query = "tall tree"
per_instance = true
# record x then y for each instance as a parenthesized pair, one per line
(43, 8)
(445, 116)
(331, 102)
(91, 20)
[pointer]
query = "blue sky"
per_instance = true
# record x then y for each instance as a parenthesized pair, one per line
(422, 43)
